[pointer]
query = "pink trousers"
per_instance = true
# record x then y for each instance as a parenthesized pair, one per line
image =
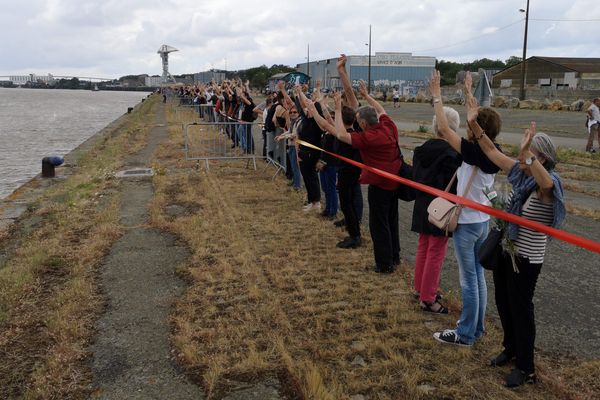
(431, 252)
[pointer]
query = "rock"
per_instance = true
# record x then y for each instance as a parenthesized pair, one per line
(358, 346)
(425, 388)
(499, 101)
(421, 97)
(546, 104)
(577, 105)
(526, 105)
(556, 105)
(359, 361)
(357, 397)
(513, 102)
(403, 99)
(411, 100)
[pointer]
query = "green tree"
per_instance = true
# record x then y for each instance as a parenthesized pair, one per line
(448, 71)
(513, 60)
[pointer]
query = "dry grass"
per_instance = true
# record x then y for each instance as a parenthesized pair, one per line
(271, 296)
(48, 294)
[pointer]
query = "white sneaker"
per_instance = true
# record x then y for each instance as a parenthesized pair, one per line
(312, 207)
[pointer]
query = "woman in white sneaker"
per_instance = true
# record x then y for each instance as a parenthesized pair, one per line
(475, 174)
(536, 195)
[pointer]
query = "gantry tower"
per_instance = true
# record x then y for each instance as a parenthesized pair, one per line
(164, 51)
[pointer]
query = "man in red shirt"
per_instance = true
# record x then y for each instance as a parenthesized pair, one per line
(378, 146)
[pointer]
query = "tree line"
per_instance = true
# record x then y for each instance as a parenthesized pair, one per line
(449, 69)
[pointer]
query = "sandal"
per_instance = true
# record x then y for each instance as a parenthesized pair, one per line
(427, 307)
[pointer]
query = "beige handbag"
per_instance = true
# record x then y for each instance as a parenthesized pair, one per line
(443, 213)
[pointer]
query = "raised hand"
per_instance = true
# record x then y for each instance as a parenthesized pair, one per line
(362, 88)
(341, 61)
(337, 100)
(434, 84)
(527, 138)
(468, 83)
(472, 108)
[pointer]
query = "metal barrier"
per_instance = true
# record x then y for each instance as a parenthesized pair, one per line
(231, 140)
(210, 135)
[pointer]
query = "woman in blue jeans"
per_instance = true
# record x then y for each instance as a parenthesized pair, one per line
(475, 176)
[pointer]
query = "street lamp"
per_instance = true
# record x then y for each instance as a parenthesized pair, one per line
(523, 63)
(369, 73)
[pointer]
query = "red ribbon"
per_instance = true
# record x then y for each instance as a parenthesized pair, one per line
(494, 212)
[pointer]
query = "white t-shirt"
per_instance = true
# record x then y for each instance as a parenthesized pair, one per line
(476, 193)
(595, 112)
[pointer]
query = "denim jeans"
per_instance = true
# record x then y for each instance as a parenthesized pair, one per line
(467, 241)
(328, 182)
(293, 158)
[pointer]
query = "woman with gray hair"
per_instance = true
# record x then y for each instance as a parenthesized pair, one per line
(434, 164)
(537, 195)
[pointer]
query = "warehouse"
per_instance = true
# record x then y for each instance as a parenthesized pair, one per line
(388, 69)
(552, 73)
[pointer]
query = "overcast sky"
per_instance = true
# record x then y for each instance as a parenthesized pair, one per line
(112, 38)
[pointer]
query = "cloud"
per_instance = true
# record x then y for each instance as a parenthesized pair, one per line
(112, 38)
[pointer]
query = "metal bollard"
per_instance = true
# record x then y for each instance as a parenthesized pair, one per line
(129, 110)
(48, 165)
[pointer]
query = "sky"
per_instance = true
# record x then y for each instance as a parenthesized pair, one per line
(113, 38)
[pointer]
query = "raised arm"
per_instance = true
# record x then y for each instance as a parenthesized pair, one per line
(345, 79)
(539, 173)
(362, 88)
(286, 97)
(335, 130)
(501, 160)
(444, 129)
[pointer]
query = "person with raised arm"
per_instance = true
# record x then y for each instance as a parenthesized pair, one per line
(537, 195)
(351, 100)
(434, 164)
(378, 146)
(309, 131)
(474, 176)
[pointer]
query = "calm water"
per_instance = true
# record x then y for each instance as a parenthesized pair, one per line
(35, 123)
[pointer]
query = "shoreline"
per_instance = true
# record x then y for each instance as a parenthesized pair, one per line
(16, 203)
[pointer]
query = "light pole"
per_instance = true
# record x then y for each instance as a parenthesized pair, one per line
(523, 61)
(369, 73)
(308, 63)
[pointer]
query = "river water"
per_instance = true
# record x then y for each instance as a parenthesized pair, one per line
(35, 123)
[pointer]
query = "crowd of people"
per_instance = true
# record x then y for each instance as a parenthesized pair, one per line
(460, 165)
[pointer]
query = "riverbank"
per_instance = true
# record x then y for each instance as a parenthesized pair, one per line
(266, 312)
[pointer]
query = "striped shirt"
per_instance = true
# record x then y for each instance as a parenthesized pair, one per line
(532, 244)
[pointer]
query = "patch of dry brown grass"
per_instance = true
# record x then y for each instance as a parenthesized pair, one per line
(271, 295)
(48, 295)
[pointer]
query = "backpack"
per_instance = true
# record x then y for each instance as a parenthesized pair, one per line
(269, 125)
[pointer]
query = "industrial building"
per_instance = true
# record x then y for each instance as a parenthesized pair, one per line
(209, 76)
(388, 69)
(552, 73)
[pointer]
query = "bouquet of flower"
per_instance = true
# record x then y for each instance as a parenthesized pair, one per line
(499, 202)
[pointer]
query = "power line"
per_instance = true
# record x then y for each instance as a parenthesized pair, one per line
(564, 20)
(472, 38)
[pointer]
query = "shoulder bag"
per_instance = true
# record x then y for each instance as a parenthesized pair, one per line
(444, 214)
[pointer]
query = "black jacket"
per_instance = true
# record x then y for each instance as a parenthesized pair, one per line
(434, 164)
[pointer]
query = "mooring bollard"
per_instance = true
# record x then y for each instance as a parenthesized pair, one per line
(129, 110)
(48, 165)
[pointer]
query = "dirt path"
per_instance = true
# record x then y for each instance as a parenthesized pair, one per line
(132, 352)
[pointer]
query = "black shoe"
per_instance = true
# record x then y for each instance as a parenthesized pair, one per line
(384, 270)
(340, 223)
(349, 243)
(501, 359)
(516, 377)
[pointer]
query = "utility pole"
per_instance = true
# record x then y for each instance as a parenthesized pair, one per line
(308, 63)
(523, 61)
(369, 83)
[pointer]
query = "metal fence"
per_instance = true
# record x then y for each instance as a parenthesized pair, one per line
(211, 135)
